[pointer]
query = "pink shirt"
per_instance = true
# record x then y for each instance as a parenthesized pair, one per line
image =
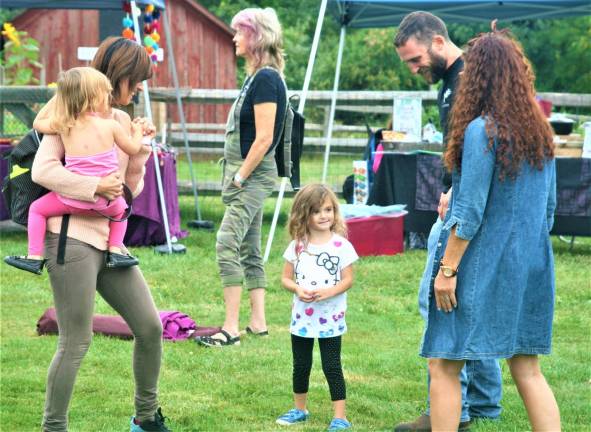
(97, 165)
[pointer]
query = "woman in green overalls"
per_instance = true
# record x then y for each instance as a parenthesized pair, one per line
(253, 129)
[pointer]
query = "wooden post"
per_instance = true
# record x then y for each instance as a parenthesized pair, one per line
(159, 115)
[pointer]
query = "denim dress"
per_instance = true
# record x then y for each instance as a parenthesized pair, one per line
(505, 283)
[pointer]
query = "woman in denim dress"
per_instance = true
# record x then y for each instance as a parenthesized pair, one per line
(491, 284)
(253, 129)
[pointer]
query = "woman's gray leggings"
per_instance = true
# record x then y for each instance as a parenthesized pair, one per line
(74, 286)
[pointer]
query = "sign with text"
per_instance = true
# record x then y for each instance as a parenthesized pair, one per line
(407, 117)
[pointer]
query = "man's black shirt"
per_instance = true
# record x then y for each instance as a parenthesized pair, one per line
(445, 99)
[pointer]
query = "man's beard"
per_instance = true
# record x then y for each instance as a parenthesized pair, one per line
(435, 71)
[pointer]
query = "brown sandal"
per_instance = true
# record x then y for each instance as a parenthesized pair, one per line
(252, 332)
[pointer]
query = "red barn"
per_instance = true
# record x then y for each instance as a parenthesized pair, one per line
(202, 45)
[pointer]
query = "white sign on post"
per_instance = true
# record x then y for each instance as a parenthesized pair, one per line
(407, 117)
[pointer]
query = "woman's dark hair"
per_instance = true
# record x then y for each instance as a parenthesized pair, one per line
(122, 59)
(498, 84)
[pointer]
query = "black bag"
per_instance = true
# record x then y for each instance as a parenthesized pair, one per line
(291, 145)
(18, 187)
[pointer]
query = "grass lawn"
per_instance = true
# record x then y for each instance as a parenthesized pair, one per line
(245, 388)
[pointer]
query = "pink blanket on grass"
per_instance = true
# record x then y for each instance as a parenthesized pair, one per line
(175, 325)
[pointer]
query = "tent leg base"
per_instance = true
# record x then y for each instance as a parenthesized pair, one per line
(201, 224)
(176, 248)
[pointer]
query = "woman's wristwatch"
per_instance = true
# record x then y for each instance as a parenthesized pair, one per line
(239, 179)
(448, 271)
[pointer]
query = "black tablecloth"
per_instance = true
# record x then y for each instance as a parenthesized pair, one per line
(415, 180)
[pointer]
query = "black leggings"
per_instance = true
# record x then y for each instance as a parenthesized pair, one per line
(330, 353)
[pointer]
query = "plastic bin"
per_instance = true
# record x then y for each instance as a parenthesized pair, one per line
(377, 235)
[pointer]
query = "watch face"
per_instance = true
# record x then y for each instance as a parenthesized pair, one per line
(447, 272)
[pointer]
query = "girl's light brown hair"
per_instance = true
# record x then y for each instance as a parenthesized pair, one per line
(498, 84)
(122, 60)
(79, 90)
(311, 197)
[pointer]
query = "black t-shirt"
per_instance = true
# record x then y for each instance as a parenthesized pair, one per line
(445, 100)
(266, 86)
(445, 97)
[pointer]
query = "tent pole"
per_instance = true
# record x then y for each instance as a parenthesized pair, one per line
(312, 58)
(175, 80)
(301, 106)
(333, 102)
(148, 110)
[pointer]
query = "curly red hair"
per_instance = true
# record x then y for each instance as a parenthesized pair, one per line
(498, 84)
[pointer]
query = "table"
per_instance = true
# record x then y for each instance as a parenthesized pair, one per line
(145, 226)
(395, 182)
(573, 193)
(414, 179)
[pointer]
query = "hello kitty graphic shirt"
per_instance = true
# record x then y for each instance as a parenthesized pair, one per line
(320, 266)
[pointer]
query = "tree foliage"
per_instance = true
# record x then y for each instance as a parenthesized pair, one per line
(19, 57)
(559, 49)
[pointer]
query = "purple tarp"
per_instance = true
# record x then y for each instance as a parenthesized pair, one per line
(176, 326)
(145, 226)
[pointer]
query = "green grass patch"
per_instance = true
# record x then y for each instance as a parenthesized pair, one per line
(245, 388)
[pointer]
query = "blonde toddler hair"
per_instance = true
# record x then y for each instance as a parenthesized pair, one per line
(79, 90)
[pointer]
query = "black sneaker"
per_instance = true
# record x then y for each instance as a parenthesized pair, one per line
(156, 425)
(24, 263)
(115, 260)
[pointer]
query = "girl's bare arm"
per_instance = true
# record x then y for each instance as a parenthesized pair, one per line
(42, 122)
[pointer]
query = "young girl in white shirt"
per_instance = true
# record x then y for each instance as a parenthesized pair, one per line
(318, 271)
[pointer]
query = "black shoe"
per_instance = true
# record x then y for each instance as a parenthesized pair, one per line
(24, 263)
(156, 425)
(423, 424)
(115, 260)
(216, 340)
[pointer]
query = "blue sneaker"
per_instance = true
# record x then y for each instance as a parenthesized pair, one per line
(339, 424)
(292, 417)
(156, 425)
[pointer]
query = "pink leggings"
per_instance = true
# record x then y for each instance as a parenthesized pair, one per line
(50, 205)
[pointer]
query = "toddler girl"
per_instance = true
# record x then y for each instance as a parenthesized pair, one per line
(318, 271)
(81, 117)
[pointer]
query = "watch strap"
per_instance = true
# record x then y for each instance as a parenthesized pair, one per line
(448, 271)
